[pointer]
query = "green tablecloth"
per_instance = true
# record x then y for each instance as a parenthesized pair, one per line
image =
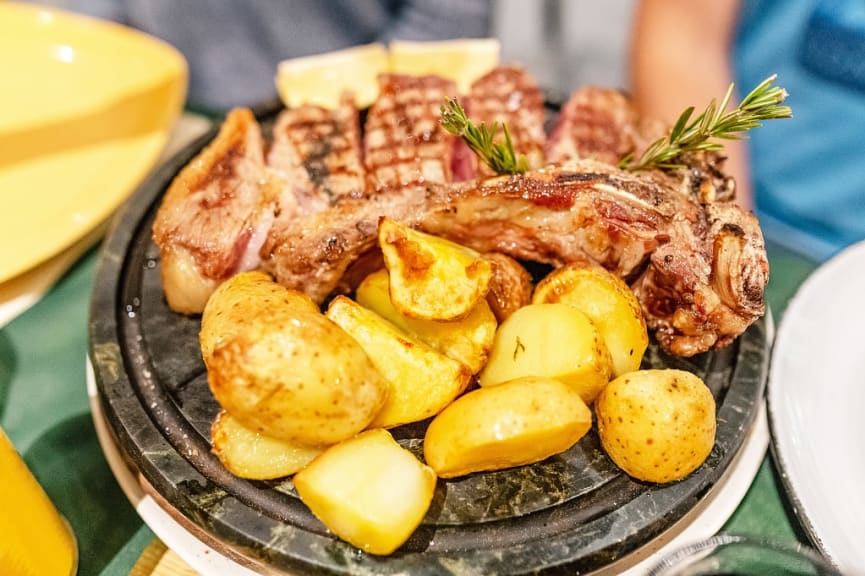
(44, 410)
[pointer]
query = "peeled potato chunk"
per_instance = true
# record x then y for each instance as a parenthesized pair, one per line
(250, 454)
(608, 302)
(468, 340)
(293, 374)
(552, 340)
(431, 278)
(657, 425)
(421, 381)
(368, 490)
(519, 422)
(240, 298)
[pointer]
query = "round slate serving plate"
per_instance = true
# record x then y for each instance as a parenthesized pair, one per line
(570, 514)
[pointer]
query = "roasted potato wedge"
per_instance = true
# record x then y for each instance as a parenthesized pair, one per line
(519, 422)
(368, 490)
(421, 380)
(657, 425)
(241, 297)
(250, 454)
(608, 302)
(431, 278)
(552, 340)
(292, 374)
(468, 340)
(510, 285)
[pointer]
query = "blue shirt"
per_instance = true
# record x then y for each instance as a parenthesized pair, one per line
(809, 171)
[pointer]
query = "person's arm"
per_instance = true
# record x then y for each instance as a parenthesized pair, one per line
(681, 57)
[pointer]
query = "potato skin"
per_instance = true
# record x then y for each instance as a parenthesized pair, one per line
(239, 299)
(519, 422)
(421, 380)
(657, 425)
(295, 375)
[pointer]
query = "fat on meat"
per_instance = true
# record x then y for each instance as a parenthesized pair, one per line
(215, 215)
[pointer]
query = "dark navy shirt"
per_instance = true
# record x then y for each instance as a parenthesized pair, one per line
(233, 46)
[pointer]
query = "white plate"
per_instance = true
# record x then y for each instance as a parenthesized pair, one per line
(704, 520)
(816, 398)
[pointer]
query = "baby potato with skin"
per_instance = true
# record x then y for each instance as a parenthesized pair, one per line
(295, 375)
(657, 425)
(468, 340)
(431, 278)
(421, 380)
(240, 298)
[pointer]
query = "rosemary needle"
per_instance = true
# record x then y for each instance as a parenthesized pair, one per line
(499, 156)
(763, 103)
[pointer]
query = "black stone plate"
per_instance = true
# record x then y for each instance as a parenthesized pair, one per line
(570, 514)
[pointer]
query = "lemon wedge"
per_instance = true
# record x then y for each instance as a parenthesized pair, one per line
(322, 78)
(462, 60)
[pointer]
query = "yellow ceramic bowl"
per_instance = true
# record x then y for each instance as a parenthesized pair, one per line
(86, 107)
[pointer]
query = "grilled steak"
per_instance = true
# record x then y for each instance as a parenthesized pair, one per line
(403, 143)
(509, 95)
(596, 123)
(699, 270)
(695, 260)
(313, 253)
(318, 151)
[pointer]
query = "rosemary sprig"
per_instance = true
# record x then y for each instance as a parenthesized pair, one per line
(762, 103)
(500, 156)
